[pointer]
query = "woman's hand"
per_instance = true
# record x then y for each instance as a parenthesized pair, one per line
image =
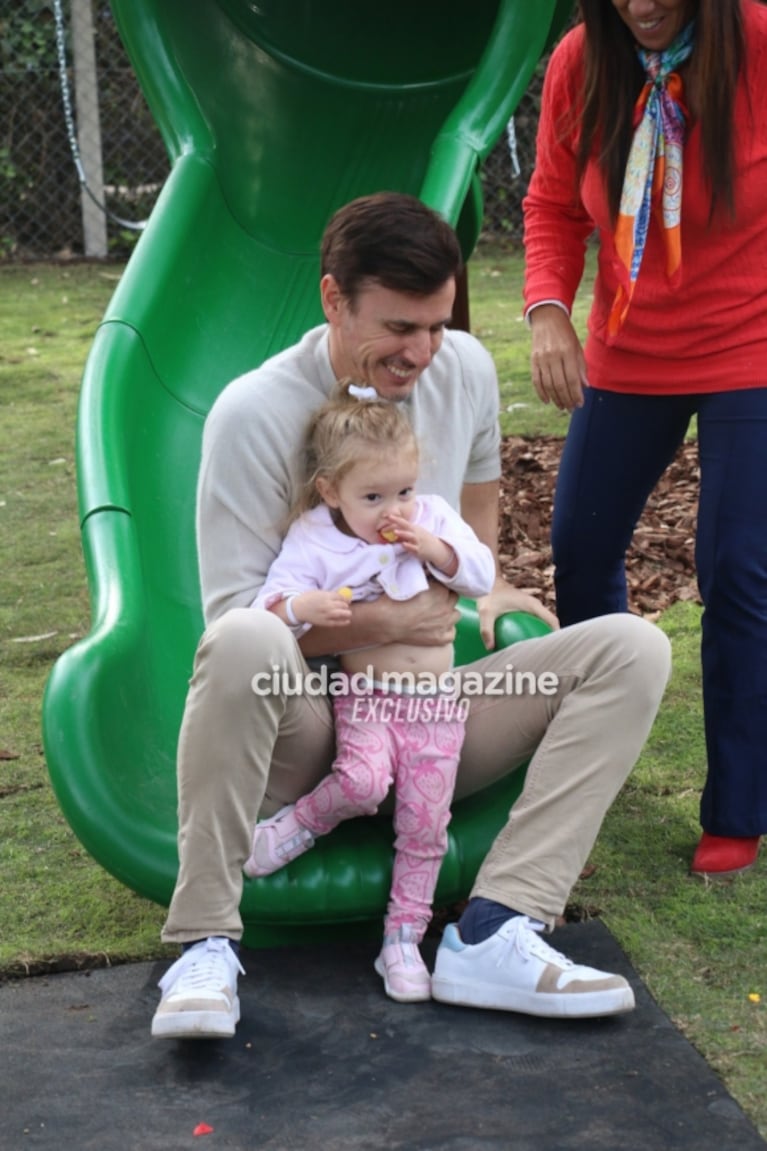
(556, 360)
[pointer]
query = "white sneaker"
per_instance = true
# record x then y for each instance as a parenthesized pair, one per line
(405, 975)
(515, 970)
(199, 994)
(277, 841)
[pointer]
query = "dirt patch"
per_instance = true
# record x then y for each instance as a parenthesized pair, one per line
(660, 564)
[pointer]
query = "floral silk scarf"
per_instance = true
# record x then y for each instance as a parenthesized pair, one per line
(653, 179)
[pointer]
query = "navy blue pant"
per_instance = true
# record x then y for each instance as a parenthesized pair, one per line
(617, 448)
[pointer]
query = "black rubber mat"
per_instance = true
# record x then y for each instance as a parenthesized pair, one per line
(323, 1061)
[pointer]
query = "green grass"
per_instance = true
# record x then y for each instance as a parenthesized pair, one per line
(56, 905)
(496, 308)
(699, 948)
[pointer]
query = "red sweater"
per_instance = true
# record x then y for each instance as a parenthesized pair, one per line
(707, 334)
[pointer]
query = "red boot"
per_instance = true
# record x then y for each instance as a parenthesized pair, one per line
(723, 855)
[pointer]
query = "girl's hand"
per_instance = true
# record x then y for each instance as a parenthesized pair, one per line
(321, 608)
(421, 543)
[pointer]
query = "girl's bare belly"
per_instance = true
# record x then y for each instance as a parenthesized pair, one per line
(393, 658)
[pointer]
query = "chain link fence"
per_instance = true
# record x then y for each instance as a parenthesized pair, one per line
(44, 209)
(56, 206)
(507, 170)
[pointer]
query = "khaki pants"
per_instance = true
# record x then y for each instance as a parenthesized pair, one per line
(244, 755)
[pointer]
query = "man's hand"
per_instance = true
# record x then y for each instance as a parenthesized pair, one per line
(426, 620)
(504, 598)
(557, 362)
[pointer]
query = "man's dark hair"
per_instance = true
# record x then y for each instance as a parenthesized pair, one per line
(393, 239)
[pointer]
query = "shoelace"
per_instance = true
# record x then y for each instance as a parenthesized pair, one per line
(196, 969)
(405, 941)
(287, 847)
(524, 937)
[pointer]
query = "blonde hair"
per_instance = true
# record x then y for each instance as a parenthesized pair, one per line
(346, 430)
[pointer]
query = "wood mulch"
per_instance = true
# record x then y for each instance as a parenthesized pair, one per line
(660, 565)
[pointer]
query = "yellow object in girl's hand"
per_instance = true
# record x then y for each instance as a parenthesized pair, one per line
(389, 536)
(346, 592)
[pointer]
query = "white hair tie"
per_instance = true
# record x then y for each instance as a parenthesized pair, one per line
(361, 393)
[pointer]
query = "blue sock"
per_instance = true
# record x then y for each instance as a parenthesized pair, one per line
(233, 943)
(482, 918)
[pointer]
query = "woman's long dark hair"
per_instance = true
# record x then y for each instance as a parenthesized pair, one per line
(613, 79)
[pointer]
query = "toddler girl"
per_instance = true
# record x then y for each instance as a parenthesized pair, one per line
(362, 532)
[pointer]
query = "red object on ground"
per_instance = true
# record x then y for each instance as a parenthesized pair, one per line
(720, 855)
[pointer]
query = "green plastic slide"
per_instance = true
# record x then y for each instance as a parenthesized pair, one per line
(274, 114)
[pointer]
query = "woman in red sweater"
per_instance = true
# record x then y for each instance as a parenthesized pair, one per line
(653, 132)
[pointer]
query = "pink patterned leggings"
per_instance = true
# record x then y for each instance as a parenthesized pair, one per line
(413, 742)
